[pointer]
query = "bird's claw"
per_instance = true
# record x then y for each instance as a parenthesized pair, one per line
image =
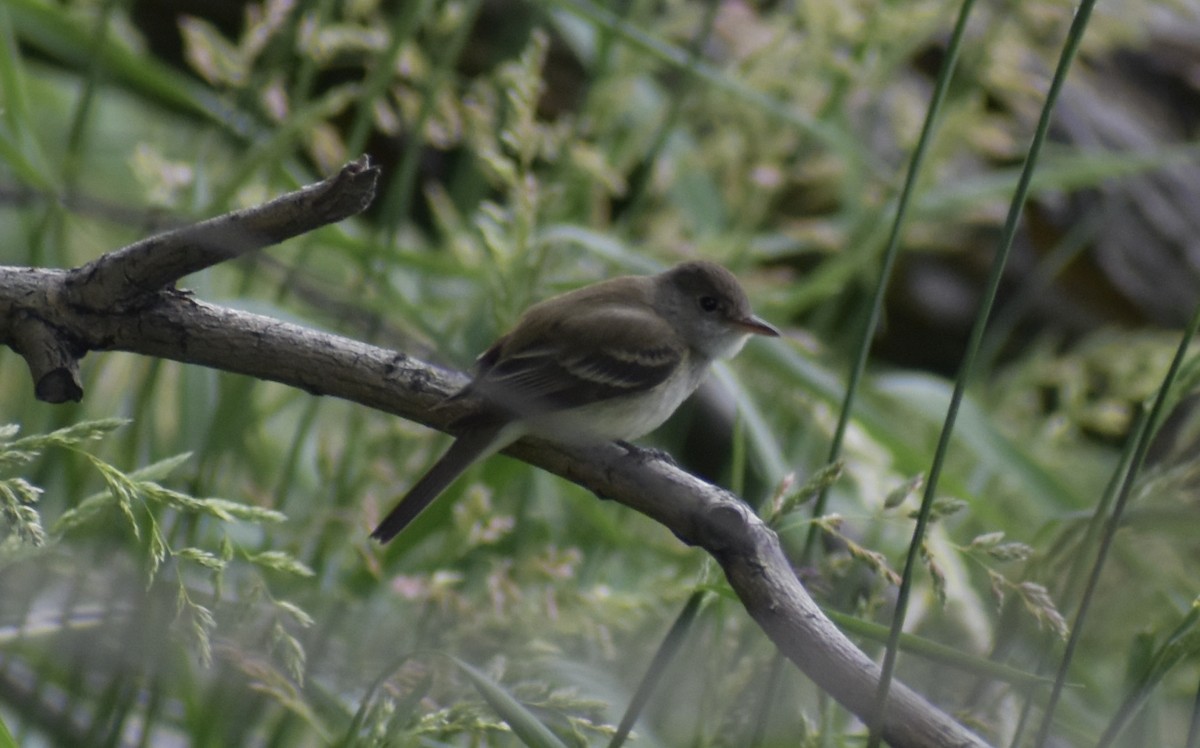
(647, 454)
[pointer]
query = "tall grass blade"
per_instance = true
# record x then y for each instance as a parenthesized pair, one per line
(1144, 437)
(889, 260)
(531, 730)
(1074, 37)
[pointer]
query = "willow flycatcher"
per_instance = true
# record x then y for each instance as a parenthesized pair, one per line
(609, 361)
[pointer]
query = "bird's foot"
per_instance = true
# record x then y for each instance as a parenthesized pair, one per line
(647, 454)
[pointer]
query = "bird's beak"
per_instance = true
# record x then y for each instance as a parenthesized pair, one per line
(757, 326)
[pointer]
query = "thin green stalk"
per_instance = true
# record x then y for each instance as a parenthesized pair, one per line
(1077, 240)
(1076, 569)
(306, 69)
(397, 201)
(640, 179)
(682, 625)
(1074, 36)
(1092, 535)
(381, 76)
(635, 38)
(1144, 438)
(602, 60)
(889, 261)
(52, 223)
(671, 643)
(1193, 738)
(21, 150)
(1179, 645)
(83, 108)
(301, 437)
(156, 711)
(6, 738)
(770, 688)
(302, 91)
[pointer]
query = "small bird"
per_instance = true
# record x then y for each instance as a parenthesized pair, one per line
(609, 361)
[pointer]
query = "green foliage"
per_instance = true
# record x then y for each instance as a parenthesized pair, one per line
(196, 577)
(558, 144)
(6, 738)
(19, 495)
(522, 721)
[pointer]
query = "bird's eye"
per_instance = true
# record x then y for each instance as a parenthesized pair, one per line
(709, 303)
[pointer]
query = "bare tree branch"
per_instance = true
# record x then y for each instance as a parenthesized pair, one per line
(124, 301)
(119, 279)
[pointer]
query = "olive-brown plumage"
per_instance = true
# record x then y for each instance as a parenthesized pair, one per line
(612, 360)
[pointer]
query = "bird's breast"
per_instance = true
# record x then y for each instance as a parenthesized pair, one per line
(623, 417)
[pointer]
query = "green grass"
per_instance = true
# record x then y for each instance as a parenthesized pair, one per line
(520, 610)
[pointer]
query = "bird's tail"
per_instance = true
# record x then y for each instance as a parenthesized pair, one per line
(474, 444)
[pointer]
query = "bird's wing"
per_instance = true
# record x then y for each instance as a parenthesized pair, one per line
(584, 358)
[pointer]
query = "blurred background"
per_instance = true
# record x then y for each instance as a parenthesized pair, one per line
(528, 148)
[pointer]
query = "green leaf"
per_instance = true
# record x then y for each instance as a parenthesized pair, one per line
(523, 722)
(16, 496)
(161, 469)
(210, 53)
(940, 653)
(236, 510)
(59, 33)
(6, 738)
(20, 149)
(69, 436)
(901, 493)
(281, 561)
(295, 612)
(201, 557)
(83, 511)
